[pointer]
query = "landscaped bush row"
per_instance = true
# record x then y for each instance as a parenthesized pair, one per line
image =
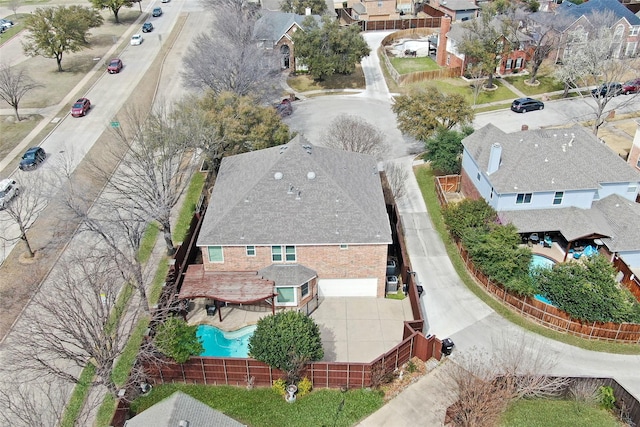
(586, 290)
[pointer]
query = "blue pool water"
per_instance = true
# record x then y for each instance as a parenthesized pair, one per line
(219, 343)
(541, 261)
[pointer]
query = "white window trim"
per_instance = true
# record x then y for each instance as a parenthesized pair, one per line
(247, 250)
(288, 304)
(221, 252)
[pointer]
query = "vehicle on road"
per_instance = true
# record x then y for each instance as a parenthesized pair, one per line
(631, 86)
(607, 89)
(147, 27)
(8, 190)
(6, 24)
(80, 107)
(156, 12)
(522, 105)
(284, 108)
(32, 158)
(115, 65)
(136, 40)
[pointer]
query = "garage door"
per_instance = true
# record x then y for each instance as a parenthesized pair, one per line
(348, 287)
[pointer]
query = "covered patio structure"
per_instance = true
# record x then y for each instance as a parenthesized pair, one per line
(239, 287)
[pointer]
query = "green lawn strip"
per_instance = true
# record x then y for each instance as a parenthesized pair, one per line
(425, 179)
(547, 84)
(396, 295)
(106, 411)
(412, 65)
(188, 207)
(556, 413)
(148, 242)
(76, 402)
(264, 407)
(119, 307)
(125, 361)
(158, 281)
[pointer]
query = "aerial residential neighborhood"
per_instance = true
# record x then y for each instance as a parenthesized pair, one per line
(308, 213)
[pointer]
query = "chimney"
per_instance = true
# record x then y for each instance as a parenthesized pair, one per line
(307, 11)
(441, 52)
(494, 158)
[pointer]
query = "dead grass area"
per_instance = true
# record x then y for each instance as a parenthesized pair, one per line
(12, 131)
(408, 374)
(304, 83)
(54, 229)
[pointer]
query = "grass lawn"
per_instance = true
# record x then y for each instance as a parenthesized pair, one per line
(10, 132)
(304, 82)
(556, 413)
(264, 407)
(547, 84)
(458, 86)
(412, 65)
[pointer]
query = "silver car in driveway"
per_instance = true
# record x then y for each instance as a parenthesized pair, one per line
(8, 190)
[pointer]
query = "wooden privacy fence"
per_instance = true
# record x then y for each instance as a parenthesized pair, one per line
(629, 279)
(551, 316)
(400, 24)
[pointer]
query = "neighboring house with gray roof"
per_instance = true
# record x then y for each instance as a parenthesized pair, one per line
(297, 212)
(556, 181)
(181, 410)
(274, 31)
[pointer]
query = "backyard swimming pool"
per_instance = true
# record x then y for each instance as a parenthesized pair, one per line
(544, 262)
(218, 343)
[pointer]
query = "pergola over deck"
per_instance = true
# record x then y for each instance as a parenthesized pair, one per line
(239, 287)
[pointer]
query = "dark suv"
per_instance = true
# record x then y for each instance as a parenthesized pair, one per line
(607, 89)
(522, 105)
(147, 27)
(32, 158)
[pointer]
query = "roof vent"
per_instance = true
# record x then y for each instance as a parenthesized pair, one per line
(298, 194)
(311, 175)
(564, 148)
(283, 148)
(183, 423)
(278, 175)
(290, 190)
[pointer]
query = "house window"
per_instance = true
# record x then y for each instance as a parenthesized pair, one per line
(379, 4)
(491, 195)
(631, 49)
(448, 59)
(215, 254)
(508, 64)
(634, 31)
(633, 187)
(286, 296)
(305, 289)
(519, 63)
(557, 198)
(343, 246)
(478, 176)
(251, 251)
(638, 163)
(523, 198)
(290, 254)
(618, 33)
(276, 253)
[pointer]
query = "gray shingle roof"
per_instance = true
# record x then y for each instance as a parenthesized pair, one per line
(296, 194)
(548, 160)
(624, 218)
(180, 406)
(458, 5)
(273, 25)
(288, 274)
(574, 223)
(617, 9)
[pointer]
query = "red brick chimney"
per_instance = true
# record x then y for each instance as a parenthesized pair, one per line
(441, 54)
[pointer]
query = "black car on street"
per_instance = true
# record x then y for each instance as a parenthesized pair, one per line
(522, 105)
(32, 158)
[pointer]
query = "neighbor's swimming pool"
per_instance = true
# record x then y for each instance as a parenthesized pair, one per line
(538, 261)
(218, 343)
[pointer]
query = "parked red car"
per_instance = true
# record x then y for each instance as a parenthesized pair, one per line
(114, 66)
(80, 107)
(632, 86)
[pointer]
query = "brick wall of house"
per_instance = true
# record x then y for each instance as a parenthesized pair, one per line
(330, 262)
(380, 9)
(468, 188)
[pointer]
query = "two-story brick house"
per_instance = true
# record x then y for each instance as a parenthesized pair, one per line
(560, 181)
(300, 218)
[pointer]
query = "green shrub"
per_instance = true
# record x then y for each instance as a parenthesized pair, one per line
(411, 367)
(304, 386)
(467, 214)
(280, 386)
(176, 339)
(607, 399)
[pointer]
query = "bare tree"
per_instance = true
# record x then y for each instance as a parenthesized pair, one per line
(155, 171)
(118, 230)
(14, 84)
(21, 213)
(14, 5)
(487, 383)
(593, 57)
(353, 133)
(74, 321)
(230, 58)
(36, 404)
(396, 178)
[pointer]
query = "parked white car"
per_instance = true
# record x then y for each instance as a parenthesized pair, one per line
(6, 24)
(136, 40)
(8, 190)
